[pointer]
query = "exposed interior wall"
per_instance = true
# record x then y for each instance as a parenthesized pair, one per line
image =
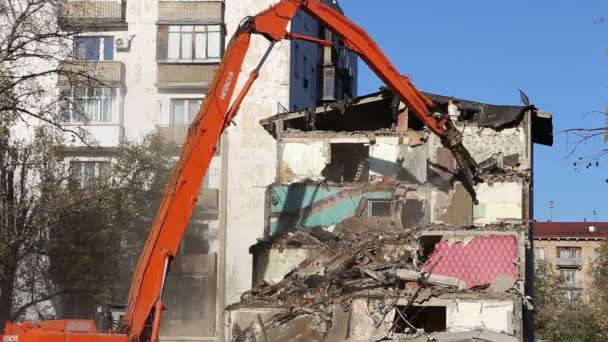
(389, 156)
(498, 201)
(463, 315)
(312, 205)
(460, 315)
(271, 264)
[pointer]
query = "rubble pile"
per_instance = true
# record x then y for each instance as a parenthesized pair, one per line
(360, 257)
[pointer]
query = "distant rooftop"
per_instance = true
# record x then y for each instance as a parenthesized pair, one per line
(570, 230)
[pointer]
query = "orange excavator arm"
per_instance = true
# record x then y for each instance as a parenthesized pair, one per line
(145, 306)
(216, 114)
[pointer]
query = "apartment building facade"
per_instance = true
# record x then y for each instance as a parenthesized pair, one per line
(156, 60)
(570, 248)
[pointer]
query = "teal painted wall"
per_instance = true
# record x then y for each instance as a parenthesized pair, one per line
(299, 205)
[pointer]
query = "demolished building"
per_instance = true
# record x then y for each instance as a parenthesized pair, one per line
(370, 235)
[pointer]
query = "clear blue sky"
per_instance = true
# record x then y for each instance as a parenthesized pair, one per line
(486, 51)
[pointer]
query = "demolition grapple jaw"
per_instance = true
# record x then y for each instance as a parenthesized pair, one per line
(468, 169)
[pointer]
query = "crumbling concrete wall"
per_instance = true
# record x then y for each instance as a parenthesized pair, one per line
(272, 264)
(466, 261)
(483, 143)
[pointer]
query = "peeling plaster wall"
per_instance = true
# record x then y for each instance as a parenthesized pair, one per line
(498, 201)
(391, 158)
(366, 318)
(305, 158)
(471, 315)
(303, 161)
(485, 142)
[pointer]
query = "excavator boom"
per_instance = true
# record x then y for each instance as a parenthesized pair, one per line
(145, 306)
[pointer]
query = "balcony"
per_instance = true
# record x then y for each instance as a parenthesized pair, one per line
(102, 135)
(86, 73)
(92, 13)
(568, 263)
(173, 135)
(576, 285)
(207, 12)
(184, 75)
(208, 200)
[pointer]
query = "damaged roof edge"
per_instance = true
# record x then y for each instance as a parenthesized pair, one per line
(493, 116)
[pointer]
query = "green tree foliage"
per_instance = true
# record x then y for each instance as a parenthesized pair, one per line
(59, 240)
(93, 254)
(599, 286)
(560, 320)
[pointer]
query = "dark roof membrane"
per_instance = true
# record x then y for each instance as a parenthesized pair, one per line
(375, 111)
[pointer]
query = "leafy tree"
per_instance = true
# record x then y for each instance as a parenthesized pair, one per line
(72, 244)
(599, 286)
(33, 49)
(561, 320)
(93, 253)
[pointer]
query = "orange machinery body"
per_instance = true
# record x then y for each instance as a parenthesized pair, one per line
(145, 306)
(66, 330)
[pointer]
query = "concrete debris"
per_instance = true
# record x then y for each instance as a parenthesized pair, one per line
(502, 284)
(370, 259)
(432, 279)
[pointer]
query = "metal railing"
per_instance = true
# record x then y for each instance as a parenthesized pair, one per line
(92, 11)
(174, 135)
(568, 262)
(185, 73)
(197, 11)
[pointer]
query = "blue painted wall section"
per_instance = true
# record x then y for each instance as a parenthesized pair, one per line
(312, 205)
